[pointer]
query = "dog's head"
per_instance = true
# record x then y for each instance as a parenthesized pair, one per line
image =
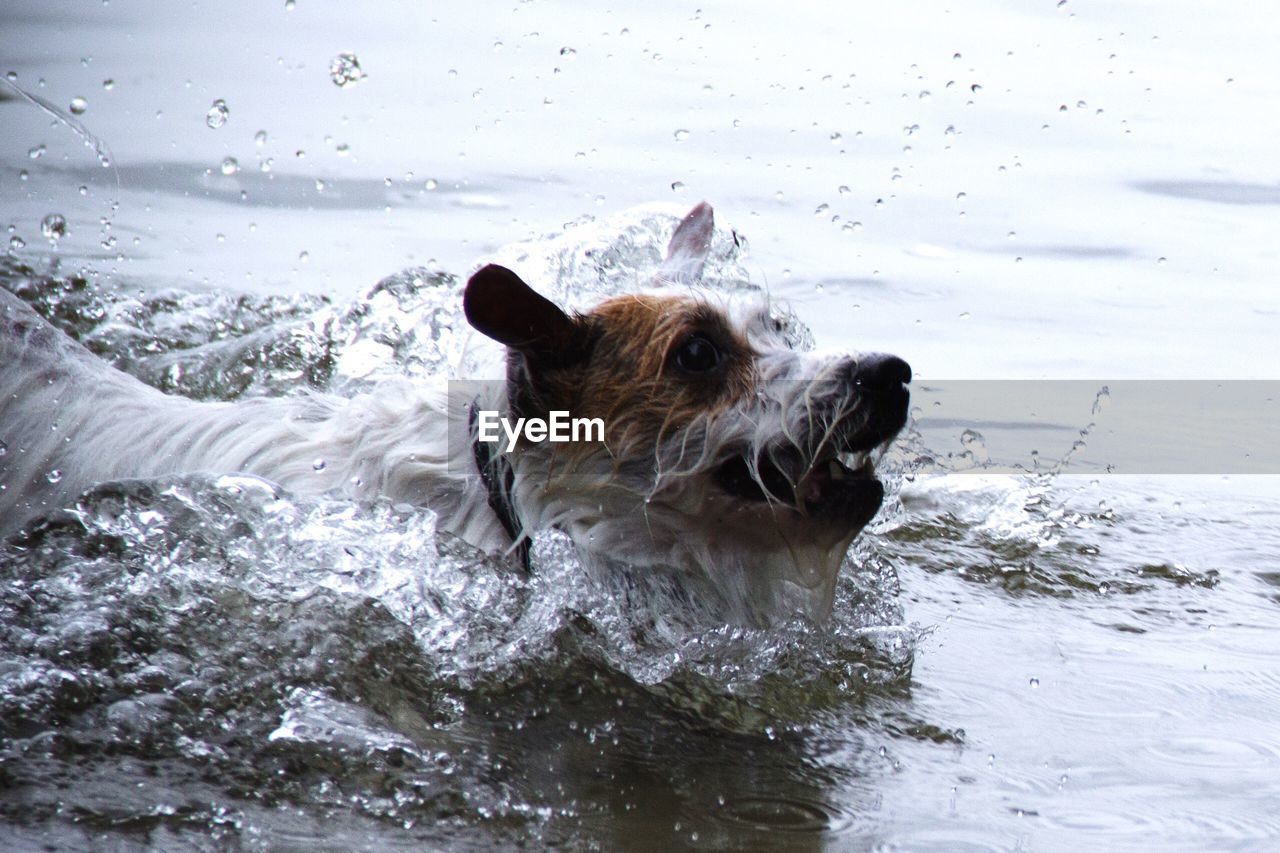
(734, 465)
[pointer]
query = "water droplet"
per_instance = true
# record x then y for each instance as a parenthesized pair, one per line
(11, 76)
(23, 175)
(4, 448)
(304, 256)
(78, 105)
(1013, 235)
(54, 227)
(677, 186)
(1162, 261)
(345, 70)
(54, 476)
(844, 190)
(1035, 683)
(217, 115)
(569, 52)
(289, 4)
(835, 137)
(342, 149)
(108, 84)
(37, 152)
(1104, 588)
(851, 227)
(83, 190)
(16, 243)
(318, 465)
(431, 184)
(260, 138)
(681, 135)
(230, 165)
(821, 209)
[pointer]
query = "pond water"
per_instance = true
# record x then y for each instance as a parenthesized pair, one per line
(1026, 656)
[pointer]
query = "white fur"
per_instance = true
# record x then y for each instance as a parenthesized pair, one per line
(69, 420)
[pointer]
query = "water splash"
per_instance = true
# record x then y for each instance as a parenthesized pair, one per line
(217, 115)
(54, 228)
(345, 70)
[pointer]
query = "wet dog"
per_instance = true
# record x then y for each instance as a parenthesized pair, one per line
(734, 467)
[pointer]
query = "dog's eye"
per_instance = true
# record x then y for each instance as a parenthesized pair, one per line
(697, 355)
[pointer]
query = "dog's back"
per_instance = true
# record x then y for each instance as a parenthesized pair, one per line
(69, 420)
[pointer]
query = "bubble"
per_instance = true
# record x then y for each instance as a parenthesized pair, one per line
(344, 70)
(54, 476)
(230, 165)
(78, 105)
(217, 115)
(54, 227)
(681, 135)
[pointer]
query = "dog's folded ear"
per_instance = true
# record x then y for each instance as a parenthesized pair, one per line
(690, 244)
(500, 305)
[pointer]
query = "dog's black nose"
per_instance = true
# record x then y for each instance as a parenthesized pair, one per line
(878, 371)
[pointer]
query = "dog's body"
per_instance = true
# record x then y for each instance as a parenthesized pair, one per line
(732, 464)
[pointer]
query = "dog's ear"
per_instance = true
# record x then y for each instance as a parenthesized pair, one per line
(499, 305)
(690, 244)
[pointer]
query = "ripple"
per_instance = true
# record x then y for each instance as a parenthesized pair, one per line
(781, 814)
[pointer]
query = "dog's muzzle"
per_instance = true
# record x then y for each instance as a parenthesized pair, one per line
(828, 474)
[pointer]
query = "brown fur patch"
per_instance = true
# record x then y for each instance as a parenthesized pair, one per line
(629, 381)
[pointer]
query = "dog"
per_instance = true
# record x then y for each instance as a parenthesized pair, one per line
(733, 466)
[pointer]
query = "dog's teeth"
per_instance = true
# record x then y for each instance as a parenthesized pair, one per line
(835, 469)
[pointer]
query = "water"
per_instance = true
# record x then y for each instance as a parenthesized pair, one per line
(1047, 660)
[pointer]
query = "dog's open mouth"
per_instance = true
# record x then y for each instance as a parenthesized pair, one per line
(838, 487)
